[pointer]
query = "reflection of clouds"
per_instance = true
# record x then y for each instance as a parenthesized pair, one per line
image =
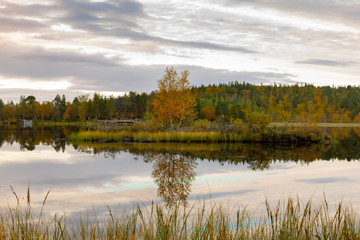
(217, 195)
(325, 180)
(10, 157)
(85, 182)
(281, 180)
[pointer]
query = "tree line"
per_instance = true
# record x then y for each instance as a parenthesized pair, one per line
(226, 102)
(82, 108)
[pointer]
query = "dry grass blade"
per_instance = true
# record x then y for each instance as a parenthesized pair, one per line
(288, 219)
(28, 198)
(16, 196)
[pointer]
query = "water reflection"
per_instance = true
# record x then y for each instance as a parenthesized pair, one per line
(256, 156)
(259, 156)
(173, 172)
(29, 138)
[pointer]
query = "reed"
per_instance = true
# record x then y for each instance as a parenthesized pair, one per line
(274, 134)
(288, 219)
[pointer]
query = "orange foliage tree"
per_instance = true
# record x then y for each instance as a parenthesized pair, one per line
(174, 103)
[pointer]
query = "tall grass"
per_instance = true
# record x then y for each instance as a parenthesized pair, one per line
(153, 136)
(289, 219)
(271, 135)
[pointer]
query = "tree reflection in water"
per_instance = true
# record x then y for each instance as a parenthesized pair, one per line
(29, 138)
(173, 173)
(174, 163)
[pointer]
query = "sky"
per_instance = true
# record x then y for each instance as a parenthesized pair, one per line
(76, 47)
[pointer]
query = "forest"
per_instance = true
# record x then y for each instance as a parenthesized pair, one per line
(283, 103)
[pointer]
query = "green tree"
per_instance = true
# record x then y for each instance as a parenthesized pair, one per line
(30, 101)
(1, 109)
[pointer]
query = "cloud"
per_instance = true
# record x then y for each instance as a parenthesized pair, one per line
(11, 25)
(95, 72)
(125, 45)
(68, 57)
(324, 62)
(223, 76)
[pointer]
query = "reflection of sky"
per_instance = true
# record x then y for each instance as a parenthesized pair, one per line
(337, 179)
(79, 181)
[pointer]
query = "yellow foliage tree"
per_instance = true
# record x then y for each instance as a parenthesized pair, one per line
(208, 112)
(174, 103)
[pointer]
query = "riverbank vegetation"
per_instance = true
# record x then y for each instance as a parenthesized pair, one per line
(289, 219)
(270, 134)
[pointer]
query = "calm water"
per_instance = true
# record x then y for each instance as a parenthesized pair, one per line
(90, 176)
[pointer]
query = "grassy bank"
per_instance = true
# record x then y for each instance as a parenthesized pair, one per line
(321, 125)
(288, 219)
(272, 134)
(65, 124)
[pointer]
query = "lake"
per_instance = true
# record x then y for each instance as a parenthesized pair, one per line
(91, 176)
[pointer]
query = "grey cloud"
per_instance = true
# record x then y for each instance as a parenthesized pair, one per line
(189, 44)
(63, 57)
(213, 46)
(14, 25)
(115, 19)
(34, 10)
(132, 7)
(216, 76)
(15, 18)
(97, 16)
(84, 16)
(97, 73)
(325, 62)
(118, 7)
(24, 61)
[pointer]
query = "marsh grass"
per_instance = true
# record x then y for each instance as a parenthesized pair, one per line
(64, 123)
(288, 219)
(273, 134)
(320, 124)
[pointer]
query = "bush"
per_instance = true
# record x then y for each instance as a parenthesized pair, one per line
(149, 126)
(237, 125)
(258, 121)
(202, 125)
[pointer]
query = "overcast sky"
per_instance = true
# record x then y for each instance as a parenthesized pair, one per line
(115, 46)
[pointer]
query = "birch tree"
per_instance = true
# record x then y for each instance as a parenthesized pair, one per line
(174, 103)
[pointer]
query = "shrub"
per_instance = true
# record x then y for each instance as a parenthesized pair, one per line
(202, 125)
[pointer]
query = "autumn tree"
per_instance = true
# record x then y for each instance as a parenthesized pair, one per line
(257, 122)
(174, 103)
